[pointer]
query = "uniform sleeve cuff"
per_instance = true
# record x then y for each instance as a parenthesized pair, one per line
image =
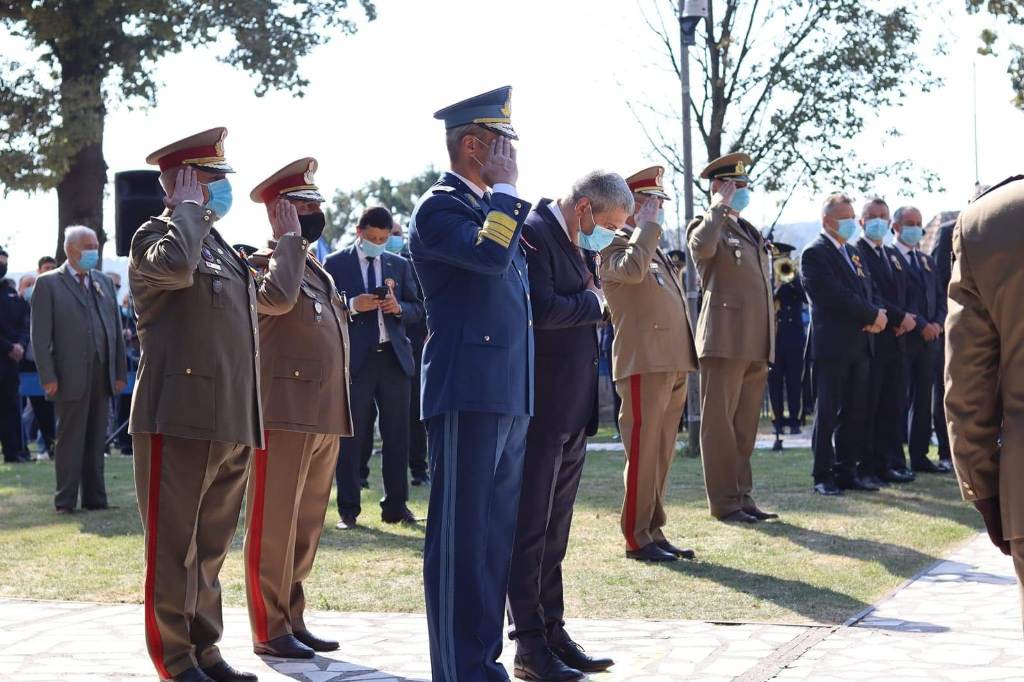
(505, 188)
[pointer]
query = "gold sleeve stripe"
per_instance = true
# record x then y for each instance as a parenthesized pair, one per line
(494, 237)
(499, 228)
(504, 220)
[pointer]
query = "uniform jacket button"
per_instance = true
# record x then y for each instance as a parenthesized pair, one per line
(296, 372)
(487, 338)
(188, 371)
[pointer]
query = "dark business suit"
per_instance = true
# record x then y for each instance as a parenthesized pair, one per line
(842, 304)
(565, 323)
(922, 356)
(380, 378)
(942, 256)
(887, 394)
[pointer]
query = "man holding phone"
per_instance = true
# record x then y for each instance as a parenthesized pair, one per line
(383, 300)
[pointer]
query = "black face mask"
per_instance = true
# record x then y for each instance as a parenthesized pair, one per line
(312, 225)
(3, 270)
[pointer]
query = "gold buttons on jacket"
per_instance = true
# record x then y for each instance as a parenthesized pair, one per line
(487, 338)
(296, 372)
(188, 371)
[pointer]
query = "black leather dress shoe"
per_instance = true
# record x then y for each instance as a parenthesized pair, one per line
(760, 515)
(667, 546)
(795, 431)
(421, 479)
(945, 465)
(856, 483)
(893, 476)
(827, 489)
(573, 655)
(404, 515)
(738, 516)
(906, 472)
(875, 481)
(314, 642)
(192, 675)
(364, 484)
(777, 445)
(100, 507)
(543, 666)
(64, 510)
(222, 672)
(926, 466)
(650, 552)
(285, 646)
(346, 523)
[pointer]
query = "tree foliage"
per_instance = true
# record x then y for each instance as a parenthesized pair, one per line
(398, 197)
(791, 82)
(1012, 12)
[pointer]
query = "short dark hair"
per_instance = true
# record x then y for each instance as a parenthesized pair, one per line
(46, 259)
(376, 216)
(453, 138)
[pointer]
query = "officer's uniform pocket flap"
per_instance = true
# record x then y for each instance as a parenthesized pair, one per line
(300, 370)
(496, 338)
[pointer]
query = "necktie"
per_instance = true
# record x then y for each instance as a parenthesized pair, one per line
(371, 274)
(846, 255)
(914, 263)
(885, 261)
(81, 281)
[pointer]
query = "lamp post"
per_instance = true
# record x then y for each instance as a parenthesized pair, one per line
(690, 14)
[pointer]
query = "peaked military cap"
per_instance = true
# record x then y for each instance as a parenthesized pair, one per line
(648, 181)
(491, 110)
(294, 181)
(729, 167)
(204, 150)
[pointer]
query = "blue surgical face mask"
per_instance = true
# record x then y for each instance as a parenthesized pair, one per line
(847, 228)
(661, 216)
(28, 292)
(911, 235)
(89, 259)
(220, 197)
(740, 199)
(876, 228)
(395, 243)
(599, 239)
(370, 249)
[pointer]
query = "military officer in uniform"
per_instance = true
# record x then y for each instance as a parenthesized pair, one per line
(652, 352)
(786, 372)
(196, 409)
(477, 383)
(984, 366)
(304, 382)
(735, 338)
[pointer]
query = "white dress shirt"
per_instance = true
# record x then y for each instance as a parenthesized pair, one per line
(841, 247)
(905, 251)
(502, 187)
(364, 265)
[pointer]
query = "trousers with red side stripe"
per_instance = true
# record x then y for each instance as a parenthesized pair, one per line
(190, 495)
(286, 502)
(652, 405)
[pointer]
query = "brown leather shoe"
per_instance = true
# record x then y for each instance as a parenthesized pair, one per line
(738, 516)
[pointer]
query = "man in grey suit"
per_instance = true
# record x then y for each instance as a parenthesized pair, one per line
(80, 355)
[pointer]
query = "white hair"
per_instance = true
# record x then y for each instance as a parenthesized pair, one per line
(833, 200)
(73, 233)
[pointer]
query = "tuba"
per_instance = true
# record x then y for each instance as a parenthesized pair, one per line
(785, 270)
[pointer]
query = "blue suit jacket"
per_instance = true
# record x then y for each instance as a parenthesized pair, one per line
(565, 318)
(479, 350)
(363, 332)
(843, 302)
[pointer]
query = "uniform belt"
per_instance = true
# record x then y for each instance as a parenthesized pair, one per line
(384, 345)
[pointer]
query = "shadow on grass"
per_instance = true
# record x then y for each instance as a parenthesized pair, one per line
(898, 559)
(793, 595)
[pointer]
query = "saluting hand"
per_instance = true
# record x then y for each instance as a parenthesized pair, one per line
(284, 219)
(500, 165)
(725, 193)
(186, 188)
(648, 211)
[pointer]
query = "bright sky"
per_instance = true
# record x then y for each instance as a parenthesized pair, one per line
(572, 64)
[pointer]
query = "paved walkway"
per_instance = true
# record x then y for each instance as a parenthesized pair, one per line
(960, 621)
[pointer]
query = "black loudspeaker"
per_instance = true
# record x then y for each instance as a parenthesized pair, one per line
(138, 196)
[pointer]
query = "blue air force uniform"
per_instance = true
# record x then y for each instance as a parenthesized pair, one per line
(477, 398)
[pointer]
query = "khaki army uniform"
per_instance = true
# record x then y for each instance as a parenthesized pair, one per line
(984, 365)
(735, 342)
(195, 418)
(652, 353)
(304, 343)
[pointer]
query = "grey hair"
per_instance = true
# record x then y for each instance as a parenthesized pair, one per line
(897, 217)
(833, 200)
(453, 137)
(73, 233)
(605, 190)
(873, 201)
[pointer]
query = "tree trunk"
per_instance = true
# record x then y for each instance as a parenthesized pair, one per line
(80, 191)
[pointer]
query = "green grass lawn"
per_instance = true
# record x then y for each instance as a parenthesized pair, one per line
(826, 559)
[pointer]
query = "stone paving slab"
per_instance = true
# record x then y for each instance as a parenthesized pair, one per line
(959, 621)
(69, 641)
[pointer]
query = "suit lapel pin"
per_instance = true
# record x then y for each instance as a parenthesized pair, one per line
(924, 262)
(98, 289)
(895, 262)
